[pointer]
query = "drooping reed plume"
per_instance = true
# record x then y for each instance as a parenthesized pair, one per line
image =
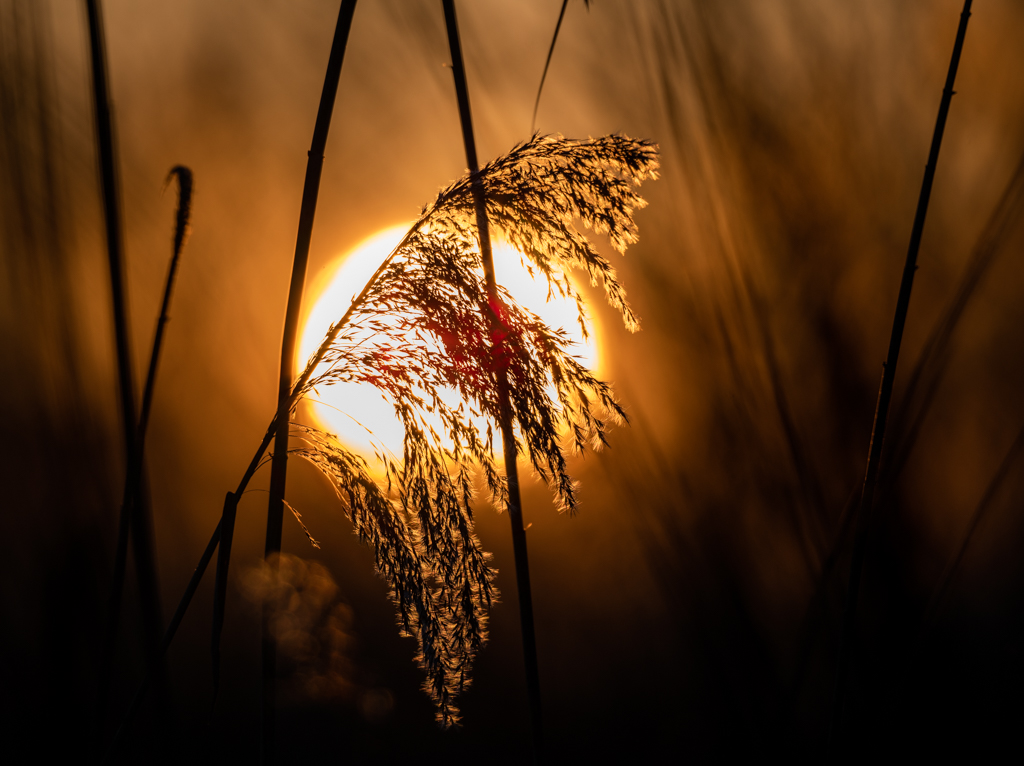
(431, 286)
(423, 325)
(418, 328)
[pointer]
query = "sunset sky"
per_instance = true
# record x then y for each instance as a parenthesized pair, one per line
(678, 612)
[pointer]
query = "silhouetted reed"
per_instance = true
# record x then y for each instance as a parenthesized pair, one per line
(279, 463)
(867, 497)
(134, 516)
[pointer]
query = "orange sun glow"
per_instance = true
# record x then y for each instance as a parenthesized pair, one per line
(359, 414)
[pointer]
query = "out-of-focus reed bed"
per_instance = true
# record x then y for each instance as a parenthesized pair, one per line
(684, 621)
(800, 150)
(59, 463)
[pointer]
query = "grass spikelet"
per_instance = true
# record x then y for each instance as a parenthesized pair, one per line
(537, 192)
(399, 560)
(298, 518)
(183, 215)
(423, 329)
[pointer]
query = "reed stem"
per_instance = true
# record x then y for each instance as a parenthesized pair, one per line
(184, 176)
(505, 410)
(547, 63)
(279, 464)
(885, 396)
(133, 505)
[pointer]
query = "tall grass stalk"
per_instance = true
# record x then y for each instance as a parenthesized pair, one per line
(928, 372)
(156, 668)
(508, 438)
(181, 231)
(921, 388)
(279, 464)
(134, 516)
(547, 63)
(885, 396)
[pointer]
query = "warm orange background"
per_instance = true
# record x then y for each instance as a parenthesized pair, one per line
(671, 610)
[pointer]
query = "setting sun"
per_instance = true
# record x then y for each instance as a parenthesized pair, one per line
(358, 413)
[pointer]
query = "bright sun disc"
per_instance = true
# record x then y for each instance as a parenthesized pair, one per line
(358, 413)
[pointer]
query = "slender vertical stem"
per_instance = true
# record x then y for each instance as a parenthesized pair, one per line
(227, 527)
(141, 536)
(135, 488)
(547, 63)
(184, 176)
(505, 410)
(885, 391)
(279, 465)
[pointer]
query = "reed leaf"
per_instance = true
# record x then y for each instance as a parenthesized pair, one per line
(181, 231)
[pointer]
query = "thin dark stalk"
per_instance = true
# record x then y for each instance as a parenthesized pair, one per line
(134, 482)
(184, 176)
(928, 372)
(547, 63)
(507, 434)
(227, 528)
(885, 393)
(279, 465)
(141, 534)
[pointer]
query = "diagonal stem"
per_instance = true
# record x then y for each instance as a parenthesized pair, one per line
(885, 393)
(279, 465)
(547, 63)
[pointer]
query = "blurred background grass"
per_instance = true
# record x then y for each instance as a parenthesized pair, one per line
(676, 614)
